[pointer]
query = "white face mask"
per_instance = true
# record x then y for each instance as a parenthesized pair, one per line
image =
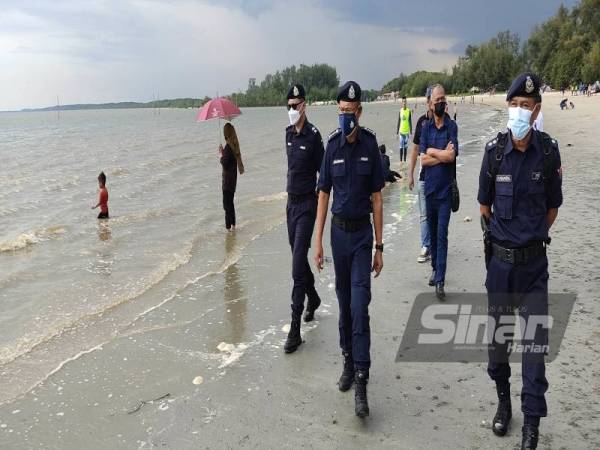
(519, 122)
(294, 116)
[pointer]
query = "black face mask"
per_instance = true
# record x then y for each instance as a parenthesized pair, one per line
(440, 109)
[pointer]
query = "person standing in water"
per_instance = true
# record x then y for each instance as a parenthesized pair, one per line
(102, 197)
(231, 160)
(304, 147)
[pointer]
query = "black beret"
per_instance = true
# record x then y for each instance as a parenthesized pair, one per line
(296, 91)
(349, 92)
(525, 85)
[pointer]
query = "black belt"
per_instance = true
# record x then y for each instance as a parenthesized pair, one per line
(293, 198)
(351, 225)
(519, 256)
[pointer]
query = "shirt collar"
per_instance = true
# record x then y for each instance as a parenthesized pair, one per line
(534, 142)
(343, 138)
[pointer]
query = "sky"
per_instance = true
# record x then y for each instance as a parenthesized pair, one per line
(95, 51)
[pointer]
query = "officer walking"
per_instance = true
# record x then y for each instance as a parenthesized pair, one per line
(352, 167)
(519, 194)
(438, 146)
(304, 147)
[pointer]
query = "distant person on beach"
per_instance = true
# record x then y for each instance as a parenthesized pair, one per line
(438, 146)
(520, 191)
(102, 197)
(563, 103)
(404, 129)
(231, 160)
(455, 111)
(304, 147)
(352, 168)
(388, 175)
(425, 253)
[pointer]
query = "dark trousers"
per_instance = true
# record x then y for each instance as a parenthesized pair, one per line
(526, 287)
(300, 223)
(229, 209)
(352, 259)
(438, 219)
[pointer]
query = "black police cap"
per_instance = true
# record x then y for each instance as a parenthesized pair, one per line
(525, 85)
(349, 92)
(296, 91)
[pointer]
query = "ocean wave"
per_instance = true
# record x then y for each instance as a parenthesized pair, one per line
(271, 198)
(28, 239)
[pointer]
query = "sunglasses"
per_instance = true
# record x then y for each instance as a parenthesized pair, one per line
(294, 106)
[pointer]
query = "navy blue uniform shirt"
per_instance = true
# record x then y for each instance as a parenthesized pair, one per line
(438, 178)
(304, 155)
(354, 171)
(520, 197)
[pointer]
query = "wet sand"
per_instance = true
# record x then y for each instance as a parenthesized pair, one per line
(212, 355)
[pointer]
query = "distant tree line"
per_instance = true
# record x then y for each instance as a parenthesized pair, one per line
(564, 50)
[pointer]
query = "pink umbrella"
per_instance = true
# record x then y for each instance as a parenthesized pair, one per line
(218, 108)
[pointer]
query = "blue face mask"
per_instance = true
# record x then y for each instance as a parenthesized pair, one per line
(348, 123)
(519, 122)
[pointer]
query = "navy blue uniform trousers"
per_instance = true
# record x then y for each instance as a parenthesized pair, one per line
(526, 287)
(301, 218)
(438, 219)
(352, 259)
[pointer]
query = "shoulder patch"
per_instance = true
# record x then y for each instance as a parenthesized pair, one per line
(334, 133)
(368, 130)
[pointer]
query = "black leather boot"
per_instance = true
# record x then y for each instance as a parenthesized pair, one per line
(294, 339)
(347, 377)
(439, 290)
(361, 405)
(314, 301)
(529, 440)
(504, 411)
(432, 278)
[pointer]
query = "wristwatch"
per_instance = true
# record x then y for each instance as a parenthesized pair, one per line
(379, 247)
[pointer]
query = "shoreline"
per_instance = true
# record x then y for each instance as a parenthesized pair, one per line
(412, 405)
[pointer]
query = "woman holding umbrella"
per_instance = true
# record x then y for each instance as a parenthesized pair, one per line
(231, 160)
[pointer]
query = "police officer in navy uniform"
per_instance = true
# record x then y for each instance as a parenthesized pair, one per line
(519, 195)
(304, 147)
(352, 167)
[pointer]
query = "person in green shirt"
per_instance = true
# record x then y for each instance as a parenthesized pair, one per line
(404, 129)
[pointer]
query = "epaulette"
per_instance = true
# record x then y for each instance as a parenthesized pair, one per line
(368, 130)
(491, 144)
(334, 133)
(314, 130)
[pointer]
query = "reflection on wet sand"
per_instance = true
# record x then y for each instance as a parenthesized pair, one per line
(233, 295)
(105, 255)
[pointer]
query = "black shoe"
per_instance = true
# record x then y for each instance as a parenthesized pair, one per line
(294, 339)
(529, 440)
(503, 416)
(432, 279)
(314, 301)
(347, 377)
(439, 290)
(361, 405)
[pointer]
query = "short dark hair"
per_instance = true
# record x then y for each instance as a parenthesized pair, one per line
(102, 178)
(404, 97)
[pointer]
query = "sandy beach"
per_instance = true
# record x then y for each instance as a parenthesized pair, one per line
(206, 368)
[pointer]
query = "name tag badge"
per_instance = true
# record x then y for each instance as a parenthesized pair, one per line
(302, 147)
(364, 158)
(536, 176)
(289, 144)
(504, 178)
(338, 161)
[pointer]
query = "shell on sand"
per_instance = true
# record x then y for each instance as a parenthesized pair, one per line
(198, 380)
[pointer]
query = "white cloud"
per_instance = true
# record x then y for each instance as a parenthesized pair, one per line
(129, 50)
